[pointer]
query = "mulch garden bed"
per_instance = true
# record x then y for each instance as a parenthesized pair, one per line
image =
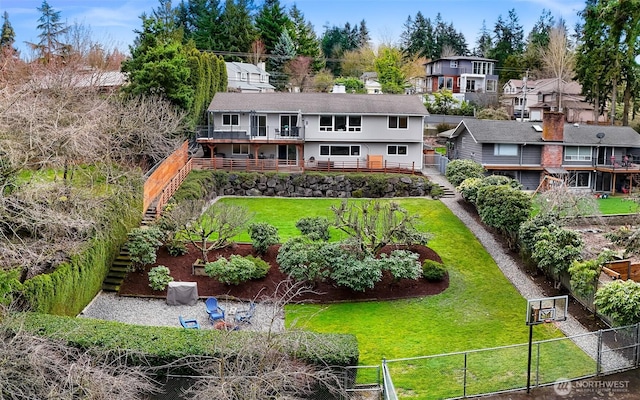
(137, 283)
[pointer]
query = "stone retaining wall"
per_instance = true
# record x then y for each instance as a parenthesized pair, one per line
(340, 186)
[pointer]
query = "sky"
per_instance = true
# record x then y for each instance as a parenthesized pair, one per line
(113, 22)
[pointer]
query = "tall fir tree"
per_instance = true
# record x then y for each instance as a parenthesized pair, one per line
(305, 39)
(283, 53)
(8, 35)
(484, 44)
(237, 27)
(417, 39)
(52, 31)
(270, 22)
(201, 22)
(508, 39)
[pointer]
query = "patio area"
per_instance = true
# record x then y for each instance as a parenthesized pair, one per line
(156, 312)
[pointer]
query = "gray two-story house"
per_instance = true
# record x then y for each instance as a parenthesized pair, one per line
(585, 157)
(471, 76)
(308, 130)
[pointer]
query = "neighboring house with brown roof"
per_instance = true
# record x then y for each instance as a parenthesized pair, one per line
(542, 95)
(587, 157)
(332, 128)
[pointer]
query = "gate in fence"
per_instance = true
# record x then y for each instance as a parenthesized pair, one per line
(503, 369)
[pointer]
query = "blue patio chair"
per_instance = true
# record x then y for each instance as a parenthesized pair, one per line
(189, 323)
(213, 309)
(246, 315)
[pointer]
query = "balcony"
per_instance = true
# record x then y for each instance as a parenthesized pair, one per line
(250, 133)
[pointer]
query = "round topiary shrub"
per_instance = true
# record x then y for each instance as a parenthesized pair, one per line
(433, 270)
(159, 277)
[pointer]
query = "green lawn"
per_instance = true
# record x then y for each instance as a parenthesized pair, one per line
(618, 205)
(480, 309)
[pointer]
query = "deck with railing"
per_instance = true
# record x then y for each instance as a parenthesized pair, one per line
(251, 164)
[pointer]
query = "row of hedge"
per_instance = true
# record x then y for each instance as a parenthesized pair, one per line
(73, 284)
(162, 345)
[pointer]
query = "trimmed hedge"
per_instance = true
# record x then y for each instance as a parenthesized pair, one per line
(161, 345)
(68, 289)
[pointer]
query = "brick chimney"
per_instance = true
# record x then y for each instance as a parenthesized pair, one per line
(553, 126)
(552, 131)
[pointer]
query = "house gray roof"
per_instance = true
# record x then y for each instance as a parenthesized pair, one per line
(454, 58)
(318, 103)
(489, 131)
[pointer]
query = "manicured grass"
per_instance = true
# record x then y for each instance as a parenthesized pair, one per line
(480, 309)
(618, 205)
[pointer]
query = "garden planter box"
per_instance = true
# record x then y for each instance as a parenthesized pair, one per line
(197, 268)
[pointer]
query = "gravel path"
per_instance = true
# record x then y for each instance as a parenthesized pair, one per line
(585, 339)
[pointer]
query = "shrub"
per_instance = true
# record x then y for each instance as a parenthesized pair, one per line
(433, 270)
(316, 228)
(459, 170)
(263, 235)
(356, 274)
(621, 301)
(529, 229)
(159, 277)
(233, 271)
(176, 247)
(504, 208)
(143, 245)
(469, 189)
(303, 260)
(555, 249)
(262, 267)
(402, 264)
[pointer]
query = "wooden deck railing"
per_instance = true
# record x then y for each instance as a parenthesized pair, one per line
(249, 164)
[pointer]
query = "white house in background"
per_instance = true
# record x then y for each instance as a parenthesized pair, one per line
(371, 85)
(301, 129)
(542, 95)
(248, 78)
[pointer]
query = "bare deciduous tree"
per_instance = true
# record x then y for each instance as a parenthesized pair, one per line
(33, 367)
(558, 59)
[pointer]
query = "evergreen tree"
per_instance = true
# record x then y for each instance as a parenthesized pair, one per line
(283, 53)
(446, 36)
(509, 38)
(363, 34)
(201, 22)
(158, 65)
(304, 38)
(417, 39)
(335, 42)
(237, 26)
(271, 21)
(539, 35)
(8, 35)
(52, 32)
(484, 44)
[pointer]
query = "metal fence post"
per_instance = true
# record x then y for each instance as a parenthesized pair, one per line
(464, 379)
(538, 364)
(637, 345)
(599, 353)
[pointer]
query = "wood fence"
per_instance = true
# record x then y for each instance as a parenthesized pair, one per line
(166, 178)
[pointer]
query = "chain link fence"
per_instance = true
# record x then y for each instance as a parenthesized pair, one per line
(503, 369)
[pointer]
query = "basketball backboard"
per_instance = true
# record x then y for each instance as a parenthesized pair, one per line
(548, 309)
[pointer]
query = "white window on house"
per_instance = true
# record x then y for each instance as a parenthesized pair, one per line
(355, 123)
(244, 76)
(339, 150)
(449, 83)
(340, 122)
(397, 150)
(458, 82)
(482, 68)
(238, 75)
(230, 119)
(239, 148)
(577, 153)
(326, 123)
(263, 78)
(580, 179)
(398, 122)
(440, 82)
(503, 149)
(492, 85)
(471, 85)
(453, 64)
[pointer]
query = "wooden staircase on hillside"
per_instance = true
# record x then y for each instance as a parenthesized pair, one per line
(122, 264)
(118, 271)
